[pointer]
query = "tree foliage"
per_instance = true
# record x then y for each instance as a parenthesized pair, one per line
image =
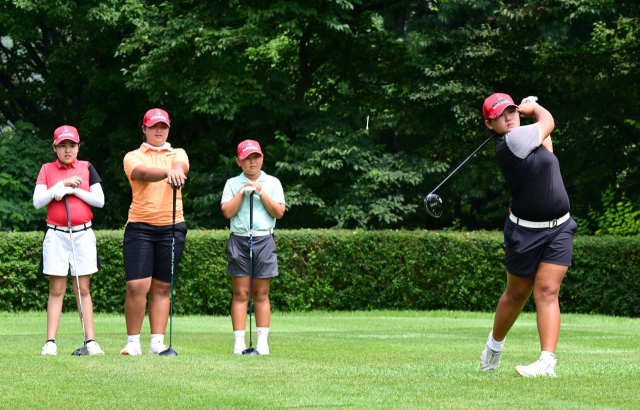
(305, 78)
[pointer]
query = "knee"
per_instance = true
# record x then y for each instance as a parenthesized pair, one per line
(136, 292)
(57, 291)
(84, 291)
(241, 295)
(517, 295)
(261, 296)
(547, 294)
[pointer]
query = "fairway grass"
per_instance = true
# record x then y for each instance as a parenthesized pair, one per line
(378, 359)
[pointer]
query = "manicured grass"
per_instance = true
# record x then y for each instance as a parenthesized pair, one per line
(331, 360)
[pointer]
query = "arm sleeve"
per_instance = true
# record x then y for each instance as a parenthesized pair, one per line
(94, 178)
(42, 196)
(278, 192)
(93, 197)
(181, 156)
(131, 161)
(227, 194)
(523, 140)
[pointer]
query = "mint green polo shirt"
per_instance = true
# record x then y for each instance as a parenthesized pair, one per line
(262, 220)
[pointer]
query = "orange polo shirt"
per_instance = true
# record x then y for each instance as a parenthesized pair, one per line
(153, 201)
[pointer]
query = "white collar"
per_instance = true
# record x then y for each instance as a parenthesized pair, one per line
(165, 146)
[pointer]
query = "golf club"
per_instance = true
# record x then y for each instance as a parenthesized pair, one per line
(81, 351)
(170, 351)
(432, 202)
(251, 350)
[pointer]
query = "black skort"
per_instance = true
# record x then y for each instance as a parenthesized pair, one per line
(526, 247)
(147, 250)
(265, 261)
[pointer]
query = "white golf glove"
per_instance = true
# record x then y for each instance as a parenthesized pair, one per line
(531, 99)
(61, 192)
(248, 190)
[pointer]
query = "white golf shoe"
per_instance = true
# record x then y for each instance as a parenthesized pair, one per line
(490, 359)
(239, 347)
(157, 348)
(262, 348)
(92, 349)
(131, 349)
(49, 349)
(540, 368)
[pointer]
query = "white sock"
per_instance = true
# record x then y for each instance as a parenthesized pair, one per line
(263, 333)
(133, 338)
(238, 335)
(157, 338)
(547, 356)
(496, 346)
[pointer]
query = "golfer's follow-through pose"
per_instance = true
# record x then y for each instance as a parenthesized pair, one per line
(268, 206)
(77, 183)
(538, 233)
(148, 235)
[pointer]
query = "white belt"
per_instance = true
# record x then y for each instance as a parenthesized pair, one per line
(549, 224)
(76, 228)
(255, 233)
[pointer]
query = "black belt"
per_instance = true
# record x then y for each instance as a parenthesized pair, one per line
(77, 228)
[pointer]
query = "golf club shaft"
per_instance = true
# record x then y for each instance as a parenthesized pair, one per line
(250, 268)
(468, 158)
(75, 267)
(173, 244)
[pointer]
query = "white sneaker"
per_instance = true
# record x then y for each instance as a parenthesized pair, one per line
(92, 348)
(239, 347)
(131, 349)
(49, 349)
(262, 348)
(490, 359)
(157, 348)
(540, 368)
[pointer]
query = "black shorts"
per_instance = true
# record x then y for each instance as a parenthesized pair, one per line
(526, 247)
(147, 250)
(265, 261)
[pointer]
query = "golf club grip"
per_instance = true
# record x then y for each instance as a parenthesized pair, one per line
(66, 204)
(175, 199)
(463, 162)
(251, 211)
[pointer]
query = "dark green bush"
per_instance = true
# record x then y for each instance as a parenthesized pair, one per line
(345, 270)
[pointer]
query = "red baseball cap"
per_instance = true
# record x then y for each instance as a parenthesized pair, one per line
(495, 104)
(66, 132)
(154, 116)
(247, 147)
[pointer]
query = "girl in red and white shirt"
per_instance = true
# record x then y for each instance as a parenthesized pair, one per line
(79, 181)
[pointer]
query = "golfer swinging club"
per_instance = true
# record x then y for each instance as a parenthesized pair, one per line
(538, 232)
(148, 236)
(269, 205)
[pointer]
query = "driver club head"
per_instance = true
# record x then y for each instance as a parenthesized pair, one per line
(80, 352)
(168, 352)
(433, 204)
(251, 351)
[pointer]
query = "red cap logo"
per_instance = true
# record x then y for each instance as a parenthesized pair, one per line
(247, 147)
(66, 132)
(495, 104)
(155, 116)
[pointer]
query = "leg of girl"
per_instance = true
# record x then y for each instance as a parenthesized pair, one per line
(263, 312)
(545, 291)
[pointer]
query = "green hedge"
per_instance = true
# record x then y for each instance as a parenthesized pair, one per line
(345, 270)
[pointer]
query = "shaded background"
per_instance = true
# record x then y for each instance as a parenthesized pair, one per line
(302, 78)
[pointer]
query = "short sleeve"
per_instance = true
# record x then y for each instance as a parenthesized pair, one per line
(131, 161)
(181, 156)
(227, 194)
(278, 192)
(523, 140)
(42, 176)
(94, 178)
